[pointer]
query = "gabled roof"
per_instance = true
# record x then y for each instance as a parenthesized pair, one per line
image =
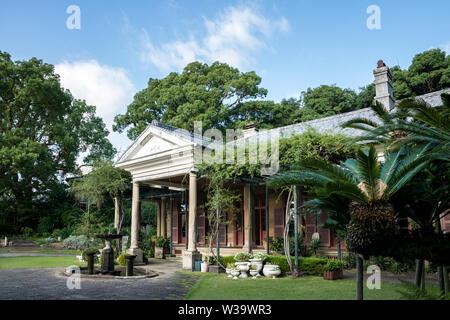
(332, 124)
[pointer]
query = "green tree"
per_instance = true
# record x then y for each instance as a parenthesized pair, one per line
(428, 72)
(367, 185)
(104, 181)
(326, 101)
(208, 93)
(43, 130)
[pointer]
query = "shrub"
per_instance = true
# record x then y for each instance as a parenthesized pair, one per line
(277, 245)
(122, 261)
(50, 240)
(261, 256)
(315, 245)
(45, 225)
(349, 260)
(27, 232)
(162, 242)
(75, 242)
(333, 265)
(226, 260)
(63, 233)
(149, 253)
(241, 257)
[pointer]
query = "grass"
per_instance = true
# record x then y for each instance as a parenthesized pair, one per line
(219, 287)
(38, 262)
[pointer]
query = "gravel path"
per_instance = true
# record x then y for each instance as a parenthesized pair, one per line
(50, 284)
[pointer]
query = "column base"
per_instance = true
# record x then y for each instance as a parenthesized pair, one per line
(139, 255)
(246, 248)
(189, 258)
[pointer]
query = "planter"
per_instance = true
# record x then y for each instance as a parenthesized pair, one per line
(258, 263)
(333, 275)
(204, 267)
(274, 272)
(254, 273)
(215, 269)
(268, 268)
(243, 268)
(235, 273)
(159, 253)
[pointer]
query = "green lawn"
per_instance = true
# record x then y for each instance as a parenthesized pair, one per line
(219, 287)
(38, 262)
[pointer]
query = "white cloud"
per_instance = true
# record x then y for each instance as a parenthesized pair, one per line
(232, 38)
(446, 47)
(105, 87)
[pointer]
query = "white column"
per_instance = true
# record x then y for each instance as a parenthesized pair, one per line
(135, 216)
(164, 217)
(135, 225)
(192, 245)
(191, 254)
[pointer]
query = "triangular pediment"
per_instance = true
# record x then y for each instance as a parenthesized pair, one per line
(151, 142)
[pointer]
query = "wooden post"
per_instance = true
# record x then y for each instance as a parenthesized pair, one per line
(296, 227)
(267, 221)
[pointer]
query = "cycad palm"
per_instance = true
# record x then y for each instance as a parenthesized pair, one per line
(418, 122)
(363, 185)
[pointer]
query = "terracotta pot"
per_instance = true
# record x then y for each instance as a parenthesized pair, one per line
(333, 275)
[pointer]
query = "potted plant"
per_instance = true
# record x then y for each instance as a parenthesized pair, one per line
(204, 264)
(274, 272)
(230, 266)
(242, 262)
(235, 272)
(333, 270)
(160, 244)
(254, 272)
(257, 260)
(268, 267)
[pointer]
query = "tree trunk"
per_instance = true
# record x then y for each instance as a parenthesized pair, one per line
(441, 279)
(359, 277)
(446, 283)
(419, 269)
(339, 251)
(422, 282)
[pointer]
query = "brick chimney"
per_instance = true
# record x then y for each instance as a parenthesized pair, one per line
(383, 86)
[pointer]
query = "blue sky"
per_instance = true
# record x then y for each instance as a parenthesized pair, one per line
(292, 45)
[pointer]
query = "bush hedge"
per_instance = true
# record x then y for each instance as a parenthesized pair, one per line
(312, 265)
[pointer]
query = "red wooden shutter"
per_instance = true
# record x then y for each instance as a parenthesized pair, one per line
(201, 229)
(310, 226)
(278, 224)
(175, 227)
(223, 234)
(324, 233)
(447, 223)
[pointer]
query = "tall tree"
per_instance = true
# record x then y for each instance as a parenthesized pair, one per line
(326, 101)
(428, 72)
(208, 93)
(43, 130)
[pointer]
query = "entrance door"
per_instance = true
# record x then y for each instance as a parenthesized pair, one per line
(239, 227)
(260, 221)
